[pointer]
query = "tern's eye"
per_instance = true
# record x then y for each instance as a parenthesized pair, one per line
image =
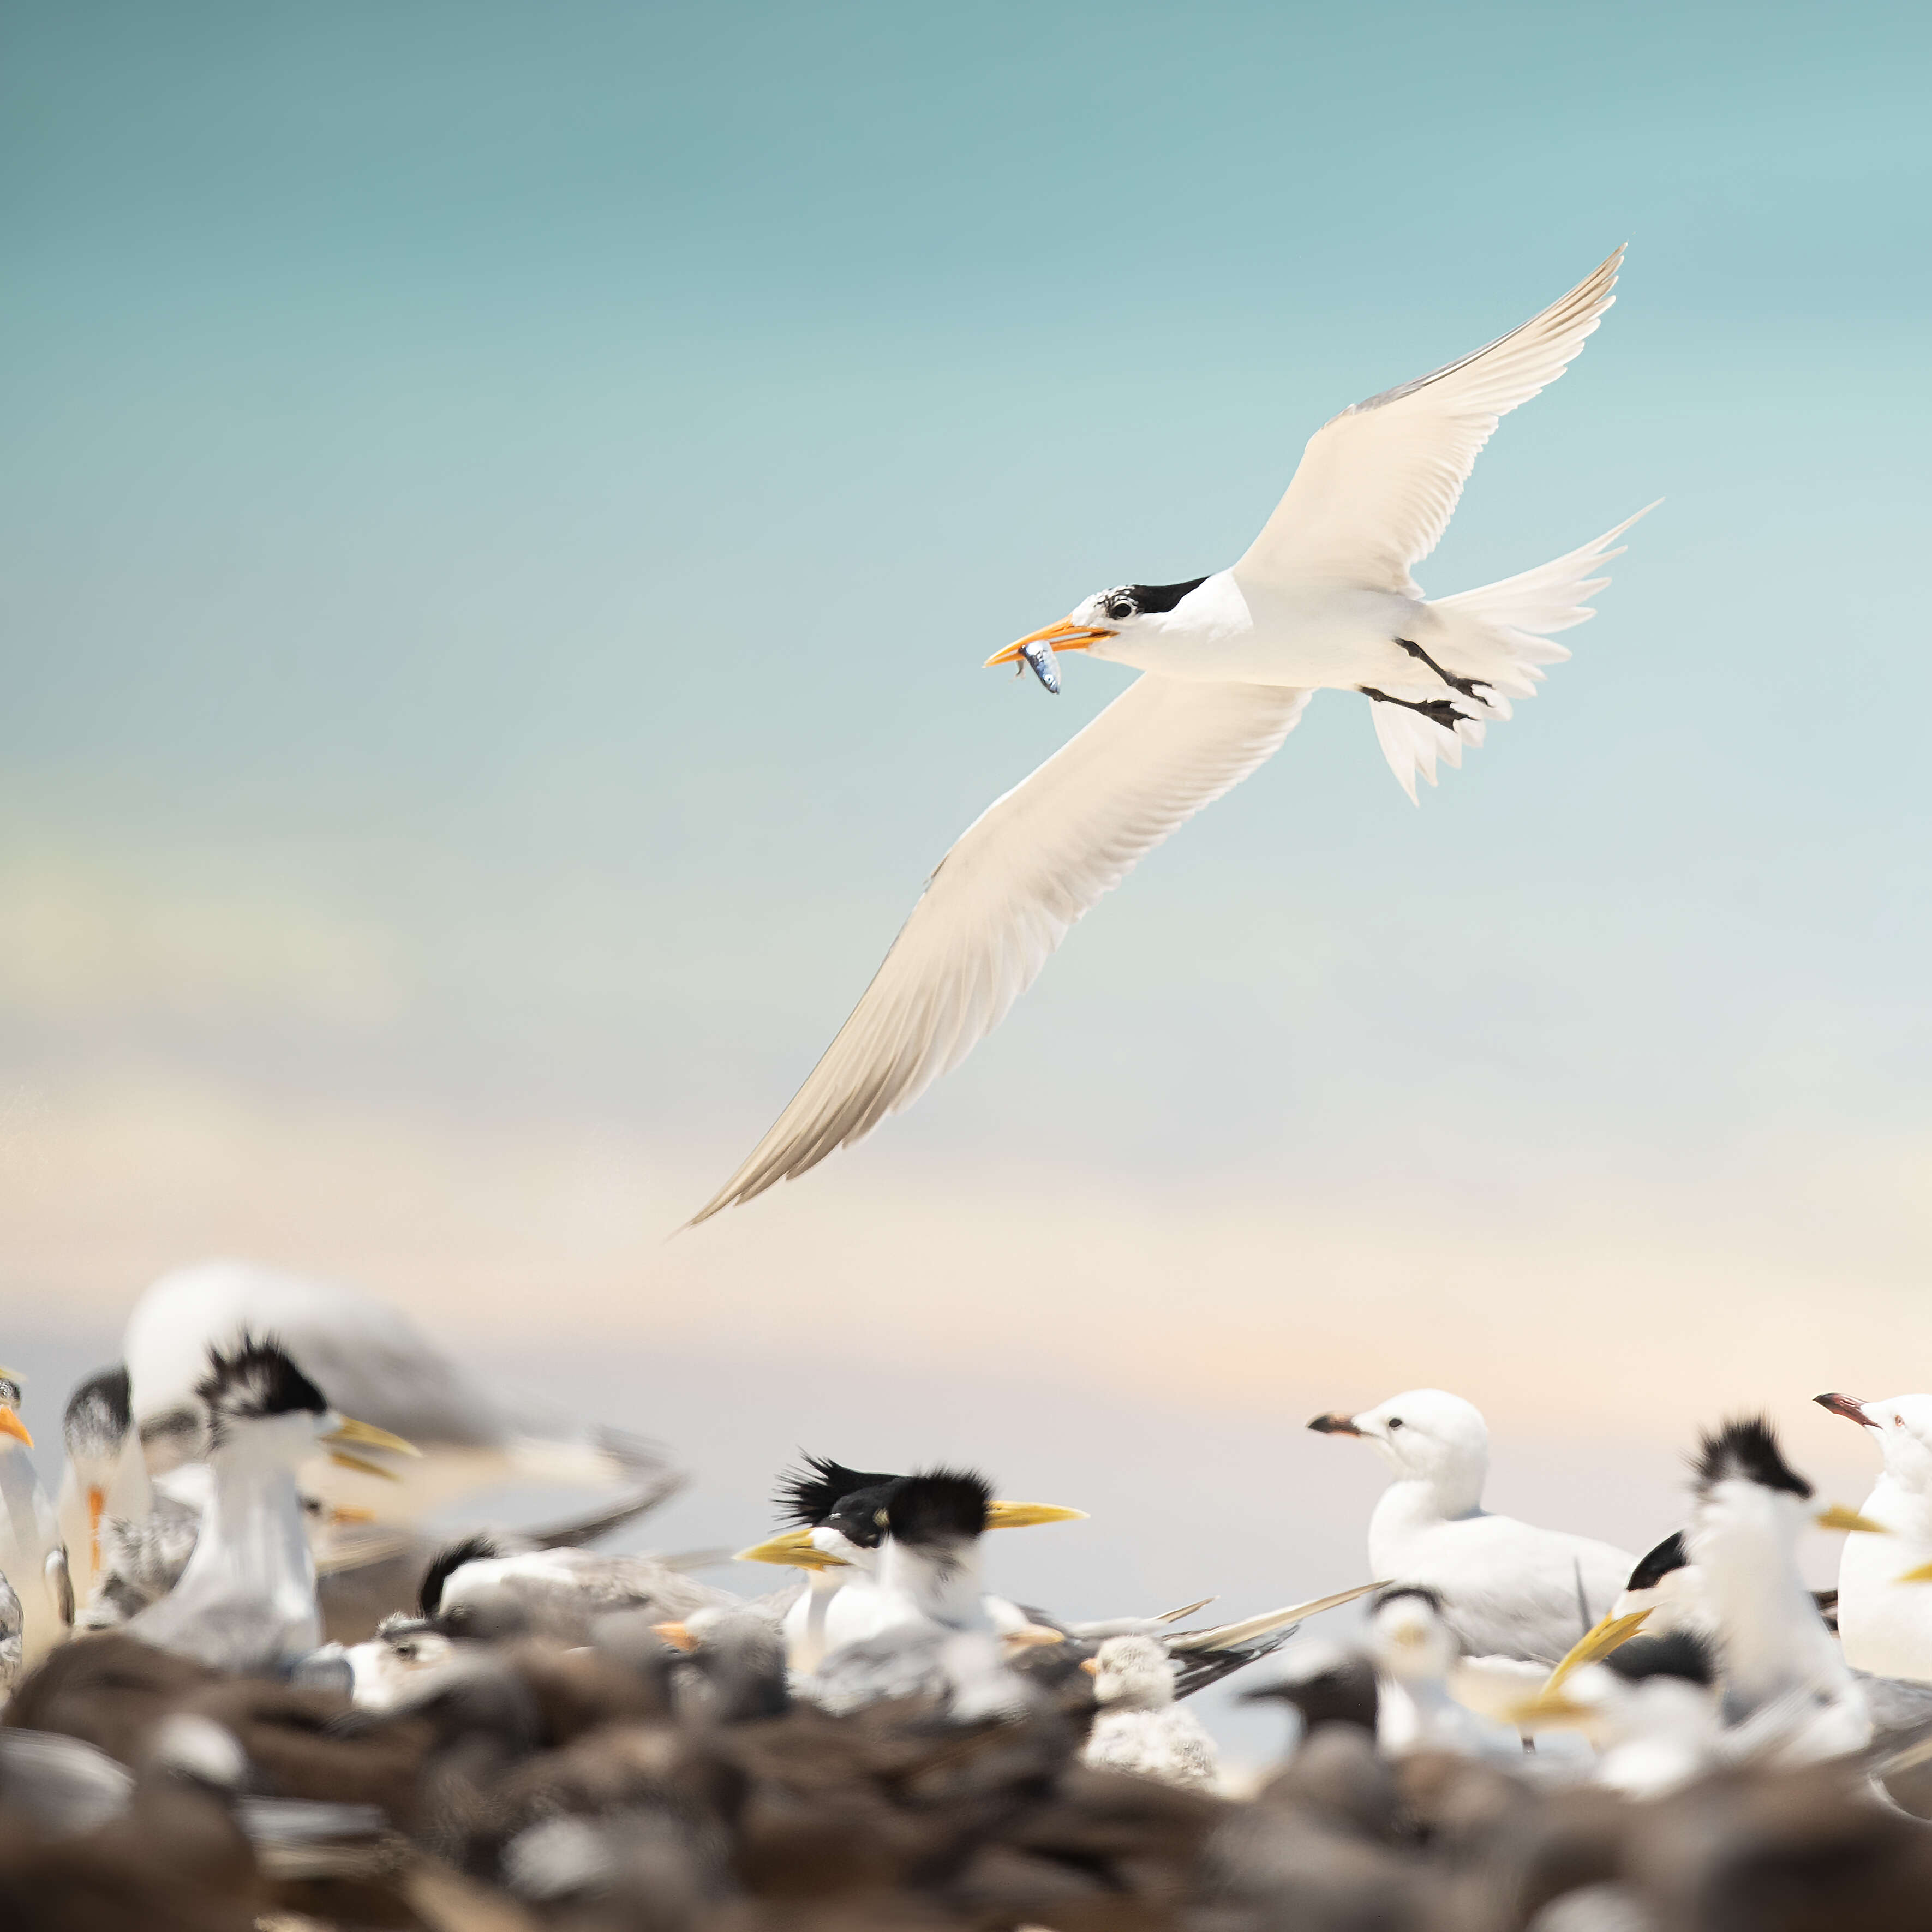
(1119, 608)
(1395, 1422)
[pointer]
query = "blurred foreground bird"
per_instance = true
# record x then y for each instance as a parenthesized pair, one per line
(246, 1599)
(1322, 599)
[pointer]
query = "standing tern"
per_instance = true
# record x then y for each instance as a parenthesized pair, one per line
(1507, 1588)
(33, 1559)
(1323, 599)
(246, 1599)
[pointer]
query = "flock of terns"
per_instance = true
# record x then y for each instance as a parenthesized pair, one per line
(248, 1686)
(245, 1687)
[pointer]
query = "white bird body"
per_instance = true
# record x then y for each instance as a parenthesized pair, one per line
(1787, 1695)
(1140, 1729)
(33, 1559)
(1884, 1623)
(1414, 1649)
(246, 1599)
(1509, 1589)
(1322, 598)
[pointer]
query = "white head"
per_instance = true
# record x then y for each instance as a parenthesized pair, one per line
(1903, 1426)
(1409, 1639)
(1427, 1436)
(1132, 1673)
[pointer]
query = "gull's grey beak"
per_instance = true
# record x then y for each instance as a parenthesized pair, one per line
(1333, 1425)
(1849, 1406)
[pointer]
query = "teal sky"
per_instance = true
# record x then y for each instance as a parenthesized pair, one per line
(507, 505)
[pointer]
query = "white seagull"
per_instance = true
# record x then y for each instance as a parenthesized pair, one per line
(1885, 1600)
(1507, 1588)
(1322, 600)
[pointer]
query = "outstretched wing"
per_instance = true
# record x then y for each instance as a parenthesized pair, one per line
(1005, 896)
(1378, 484)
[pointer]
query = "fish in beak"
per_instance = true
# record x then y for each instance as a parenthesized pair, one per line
(1036, 651)
(795, 1548)
(1333, 1425)
(1025, 1516)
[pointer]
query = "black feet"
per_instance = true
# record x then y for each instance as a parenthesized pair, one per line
(1468, 686)
(1441, 711)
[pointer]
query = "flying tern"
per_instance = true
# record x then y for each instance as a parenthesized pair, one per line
(1323, 599)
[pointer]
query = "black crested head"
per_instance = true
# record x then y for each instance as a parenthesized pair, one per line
(938, 1506)
(9, 1389)
(1745, 1450)
(255, 1379)
(1141, 600)
(1654, 1565)
(100, 1410)
(812, 1493)
(450, 1558)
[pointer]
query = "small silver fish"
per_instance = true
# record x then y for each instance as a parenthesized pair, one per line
(1045, 667)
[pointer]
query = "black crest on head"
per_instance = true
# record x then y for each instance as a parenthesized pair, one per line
(1139, 600)
(450, 1558)
(938, 1506)
(101, 1408)
(1654, 1565)
(9, 1390)
(256, 1378)
(1745, 1450)
(812, 1493)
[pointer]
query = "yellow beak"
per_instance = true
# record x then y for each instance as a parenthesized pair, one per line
(1091, 1665)
(1920, 1573)
(1839, 1517)
(1024, 1516)
(1547, 1710)
(1608, 1633)
(348, 1429)
(795, 1547)
(1064, 636)
(11, 1424)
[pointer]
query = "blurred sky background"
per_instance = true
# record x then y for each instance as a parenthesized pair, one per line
(506, 506)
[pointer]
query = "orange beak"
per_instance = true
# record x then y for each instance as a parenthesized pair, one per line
(11, 1424)
(677, 1636)
(1064, 636)
(96, 1504)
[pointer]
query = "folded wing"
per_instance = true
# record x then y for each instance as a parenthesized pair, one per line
(1377, 484)
(1005, 896)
